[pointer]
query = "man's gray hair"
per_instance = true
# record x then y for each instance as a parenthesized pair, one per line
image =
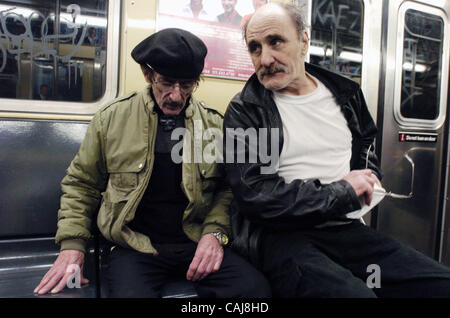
(296, 14)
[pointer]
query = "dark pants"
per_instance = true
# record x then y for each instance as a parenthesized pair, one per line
(339, 261)
(134, 274)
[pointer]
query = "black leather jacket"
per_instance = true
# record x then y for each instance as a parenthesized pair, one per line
(265, 201)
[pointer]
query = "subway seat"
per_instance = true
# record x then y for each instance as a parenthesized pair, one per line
(24, 262)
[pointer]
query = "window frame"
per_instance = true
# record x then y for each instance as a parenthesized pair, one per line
(25, 108)
(371, 49)
(417, 122)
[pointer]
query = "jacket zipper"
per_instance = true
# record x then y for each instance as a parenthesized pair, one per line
(187, 123)
(147, 176)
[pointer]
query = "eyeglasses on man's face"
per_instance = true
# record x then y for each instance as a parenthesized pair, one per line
(165, 84)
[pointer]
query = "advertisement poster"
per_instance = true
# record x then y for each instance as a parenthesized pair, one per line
(218, 23)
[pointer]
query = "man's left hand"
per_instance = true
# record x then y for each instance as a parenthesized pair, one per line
(208, 258)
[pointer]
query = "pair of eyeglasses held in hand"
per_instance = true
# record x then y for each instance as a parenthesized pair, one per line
(380, 193)
(389, 193)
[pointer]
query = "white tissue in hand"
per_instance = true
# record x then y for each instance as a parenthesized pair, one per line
(378, 194)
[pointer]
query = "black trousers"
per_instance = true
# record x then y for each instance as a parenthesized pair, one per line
(138, 275)
(343, 261)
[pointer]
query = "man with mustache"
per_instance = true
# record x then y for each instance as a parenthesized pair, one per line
(164, 218)
(292, 221)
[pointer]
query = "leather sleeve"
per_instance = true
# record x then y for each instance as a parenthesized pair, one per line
(368, 133)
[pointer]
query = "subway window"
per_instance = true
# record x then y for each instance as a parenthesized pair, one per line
(54, 50)
(337, 36)
(421, 65)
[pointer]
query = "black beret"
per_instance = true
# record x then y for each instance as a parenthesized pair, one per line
(172, 52)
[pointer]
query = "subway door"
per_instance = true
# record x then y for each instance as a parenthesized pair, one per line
(414, 123)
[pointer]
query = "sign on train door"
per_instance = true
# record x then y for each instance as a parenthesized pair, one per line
(414, 123)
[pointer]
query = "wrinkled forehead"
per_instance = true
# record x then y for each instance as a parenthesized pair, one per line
(272, 12)
(264, 23)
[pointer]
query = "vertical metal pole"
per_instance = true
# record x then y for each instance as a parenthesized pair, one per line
(19, 71)
(56, 31)
(334, 47)
(413, 73)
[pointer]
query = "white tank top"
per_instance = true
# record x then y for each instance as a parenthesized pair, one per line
(317, 140)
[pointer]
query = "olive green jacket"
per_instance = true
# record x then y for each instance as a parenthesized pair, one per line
(109, 175)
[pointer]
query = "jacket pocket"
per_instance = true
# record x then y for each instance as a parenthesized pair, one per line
(117, 194)
(110, 209)
(123, 181)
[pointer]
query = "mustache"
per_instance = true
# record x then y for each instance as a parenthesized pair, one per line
(274, 68)
(169, 102)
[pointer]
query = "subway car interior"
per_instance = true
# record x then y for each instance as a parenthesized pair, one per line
(62, 60)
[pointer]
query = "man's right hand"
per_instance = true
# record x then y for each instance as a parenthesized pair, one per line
(362, 181)
(57, 276)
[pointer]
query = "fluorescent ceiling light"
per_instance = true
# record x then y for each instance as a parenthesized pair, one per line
(86, 19)
(80, 19)
(316, 50)
(351, 56)
(17, 10)
(420, 68)
(345, 55)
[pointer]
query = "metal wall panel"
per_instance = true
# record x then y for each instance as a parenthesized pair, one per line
(33, 161)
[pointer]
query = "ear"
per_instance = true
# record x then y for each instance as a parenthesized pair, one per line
(146, 75)
(305, 43)
(147, 78)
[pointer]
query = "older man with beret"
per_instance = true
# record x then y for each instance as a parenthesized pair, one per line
(165, 218)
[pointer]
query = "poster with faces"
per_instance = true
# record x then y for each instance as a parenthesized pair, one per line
(219, 24)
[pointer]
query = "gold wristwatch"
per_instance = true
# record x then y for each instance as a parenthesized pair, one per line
(221, 237)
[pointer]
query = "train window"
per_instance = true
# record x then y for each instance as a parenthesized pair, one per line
(56, 50)
(421, 65)
(337, 36)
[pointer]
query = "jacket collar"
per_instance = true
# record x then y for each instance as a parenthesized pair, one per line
(151, 104)
(341, 87)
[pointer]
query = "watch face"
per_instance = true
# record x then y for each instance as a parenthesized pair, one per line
(224, 239)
